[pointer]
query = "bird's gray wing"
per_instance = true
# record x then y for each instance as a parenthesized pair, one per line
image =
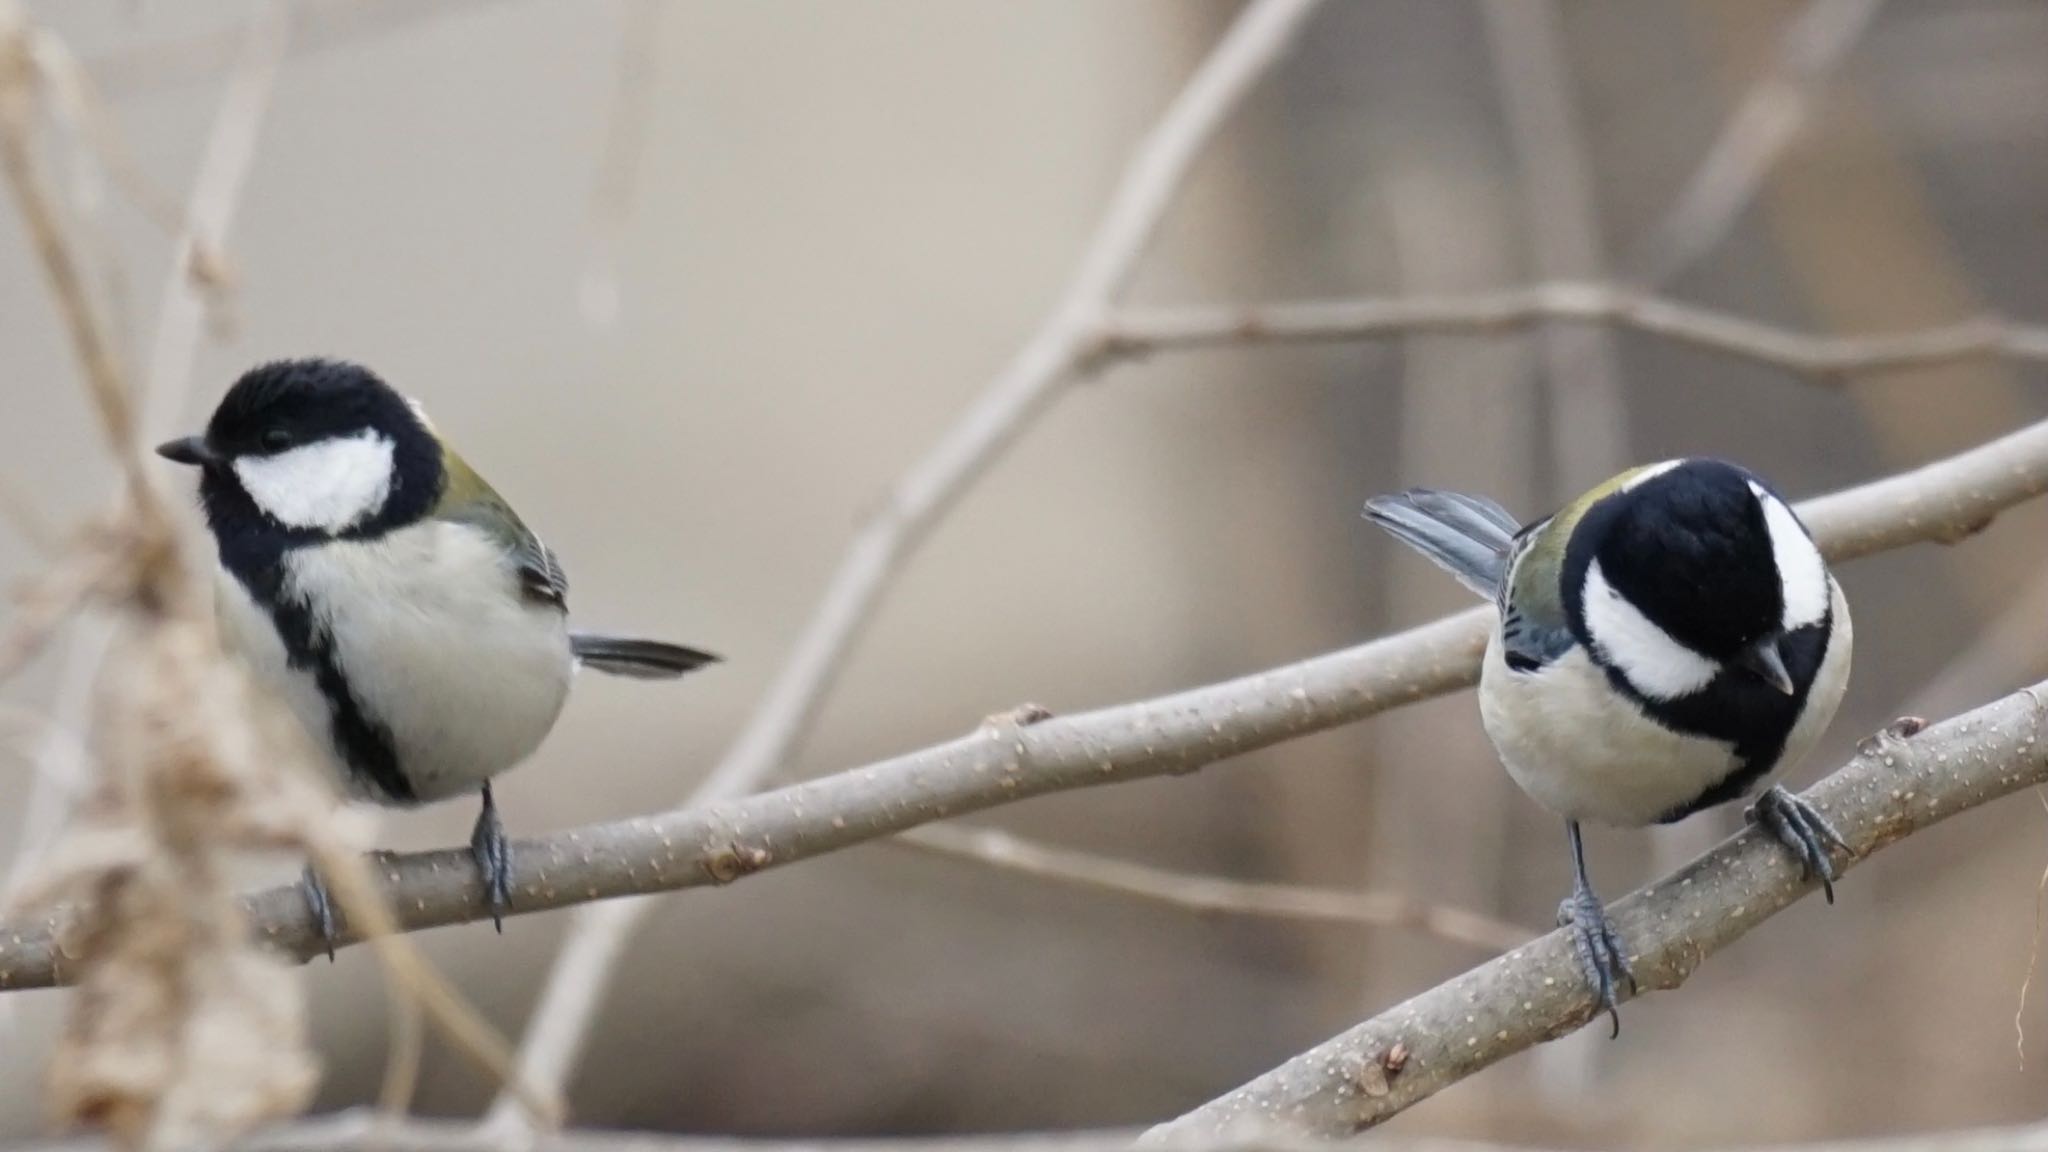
(1466, 536)
(467, 499)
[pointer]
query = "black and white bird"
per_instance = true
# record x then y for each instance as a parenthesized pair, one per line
(1670, 641)
(414, 625)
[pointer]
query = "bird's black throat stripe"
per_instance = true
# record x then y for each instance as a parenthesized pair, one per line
(366, 745)
(1748, 714)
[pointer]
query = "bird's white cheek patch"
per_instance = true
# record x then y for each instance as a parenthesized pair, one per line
(1660, 667)
(331, 485)
(1801, 571)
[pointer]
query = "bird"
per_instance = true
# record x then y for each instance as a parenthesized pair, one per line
(1670, 641)
(372, 580)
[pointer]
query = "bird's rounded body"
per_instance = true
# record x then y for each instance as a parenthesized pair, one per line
(1586, 752)
(442, 656)
(1670, 641)
(417, 629)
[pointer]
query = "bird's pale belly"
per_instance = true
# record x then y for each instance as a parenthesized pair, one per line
(437, 647)
(1584, 752)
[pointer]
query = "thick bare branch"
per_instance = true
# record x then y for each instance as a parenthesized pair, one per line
(1215, 894)
(1138, 333)
(1009, 761)
(1896, 787)
(367, 1132)
(1061, 350)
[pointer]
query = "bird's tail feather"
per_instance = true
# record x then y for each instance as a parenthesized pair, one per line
(1467, 536)
(640, 659)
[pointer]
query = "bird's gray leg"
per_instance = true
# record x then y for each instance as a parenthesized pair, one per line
(322, 907)
(1800, 827)
(493, 859)
(1593, 938)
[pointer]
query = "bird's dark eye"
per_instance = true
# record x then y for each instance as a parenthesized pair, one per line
(276, 440)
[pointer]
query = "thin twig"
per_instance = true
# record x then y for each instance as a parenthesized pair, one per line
(618, 169)
(1211, 894)
(1142, 332)
(1059, 352)
(319, 26)
(1769, 117)
(1536, 993)
(1010, 760)
(1581, 372)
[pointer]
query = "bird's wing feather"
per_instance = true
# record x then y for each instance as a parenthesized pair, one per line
(467, 499)
(1464, 535)
(1534, 630)
(1534, 626)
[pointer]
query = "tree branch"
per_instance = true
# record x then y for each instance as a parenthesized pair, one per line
(1009, 760)
(362, 1131)
(1213, 894)
(1136, 333)
(1896, 787)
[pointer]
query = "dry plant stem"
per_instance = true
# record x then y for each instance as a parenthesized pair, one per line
(1006, 762)
(1215, 894)
(1895, 788)
(39, 212)
(216, 193)
(1061, 349)
(1141, 332)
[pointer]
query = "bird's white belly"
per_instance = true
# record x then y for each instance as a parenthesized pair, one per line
(437, 645)
(1584, 751)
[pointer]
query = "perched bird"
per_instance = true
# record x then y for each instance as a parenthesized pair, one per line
(1670, 641)
(417, 629)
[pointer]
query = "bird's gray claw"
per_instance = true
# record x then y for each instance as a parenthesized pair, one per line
(493, 855)
(1600, 954)
(322, 907)
(1800, 827)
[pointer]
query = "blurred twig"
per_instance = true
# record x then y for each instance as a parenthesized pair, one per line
(1059, 352)
(1215, 893)
(1581, 375)
(1010, 759)
(618, 172)
(1142, 332)
(1769, 118)
(319, 26)
(1895, 788)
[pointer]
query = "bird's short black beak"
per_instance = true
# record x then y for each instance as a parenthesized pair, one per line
(191, 450)
(1764, 661)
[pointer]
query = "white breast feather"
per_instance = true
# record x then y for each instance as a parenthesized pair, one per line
(330, 484)
(1659, 666)
(438, 645)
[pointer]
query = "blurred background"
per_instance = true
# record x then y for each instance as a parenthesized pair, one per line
(692, 282)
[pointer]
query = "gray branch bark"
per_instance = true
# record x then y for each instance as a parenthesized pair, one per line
(1895, 787)
(1006, 760)
(1141, 332)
